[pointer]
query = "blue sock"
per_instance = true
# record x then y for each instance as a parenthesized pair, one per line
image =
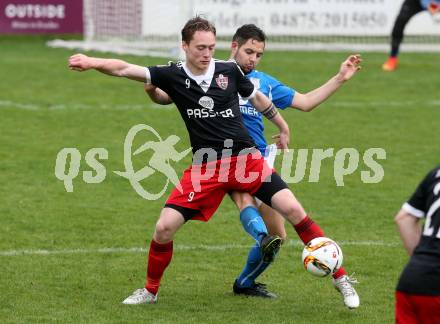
(253, 268)
(253, 223)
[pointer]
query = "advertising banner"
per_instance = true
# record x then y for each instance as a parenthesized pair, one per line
(288, 17)
(314, 17)
(41, 17)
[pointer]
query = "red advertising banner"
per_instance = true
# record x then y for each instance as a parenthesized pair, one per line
(41, 16)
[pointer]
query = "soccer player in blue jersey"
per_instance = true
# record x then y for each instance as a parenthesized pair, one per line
(247, 49)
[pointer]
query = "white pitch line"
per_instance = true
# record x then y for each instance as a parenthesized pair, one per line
(177, 247)
(80, 106)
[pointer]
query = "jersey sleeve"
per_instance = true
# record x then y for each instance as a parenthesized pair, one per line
(156, 75)
(416, 205)
(281, 94)
(245, 87)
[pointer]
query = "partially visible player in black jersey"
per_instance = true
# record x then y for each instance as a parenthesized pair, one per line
(418, 289)
(206, 94)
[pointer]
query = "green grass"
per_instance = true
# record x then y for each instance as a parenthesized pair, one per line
(44, 107)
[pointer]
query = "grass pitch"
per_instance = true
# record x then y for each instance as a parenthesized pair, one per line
(73, 257)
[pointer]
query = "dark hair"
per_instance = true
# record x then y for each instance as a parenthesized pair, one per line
(246, 32)
(196, 24)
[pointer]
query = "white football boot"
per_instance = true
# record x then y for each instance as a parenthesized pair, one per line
(344, 285)
(140, 296)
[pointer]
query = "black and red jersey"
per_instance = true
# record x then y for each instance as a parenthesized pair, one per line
(421, 276)
(209, 103)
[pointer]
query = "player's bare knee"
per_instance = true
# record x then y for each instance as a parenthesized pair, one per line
(247, 201)
(163, 232)
(294, 213)
(242, 200)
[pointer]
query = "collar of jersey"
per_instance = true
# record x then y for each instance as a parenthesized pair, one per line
(207, 77)
(252, 73)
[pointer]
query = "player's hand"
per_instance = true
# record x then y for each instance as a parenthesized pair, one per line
(282, 140)
(80, 62)
(349, 67)
(433, 7)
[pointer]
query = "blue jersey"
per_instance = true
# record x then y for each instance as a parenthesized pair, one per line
(280, 94)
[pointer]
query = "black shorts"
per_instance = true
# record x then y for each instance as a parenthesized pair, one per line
(270, 188)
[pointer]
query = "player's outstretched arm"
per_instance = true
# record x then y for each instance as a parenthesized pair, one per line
(113, 67)
(310, 100)
(157, 95)
(409, 230)
(267, 108)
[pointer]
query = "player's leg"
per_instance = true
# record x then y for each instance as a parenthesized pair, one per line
(159, 256)
(255, 266)
(276, 194)
(273, 220)
(405, 312)
(261, 254)
(250, 217)
(254, 225)
(182, 205)
(407, 11)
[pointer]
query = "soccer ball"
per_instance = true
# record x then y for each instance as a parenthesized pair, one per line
(322, 256)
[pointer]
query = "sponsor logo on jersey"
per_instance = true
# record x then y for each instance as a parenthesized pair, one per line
(222, 81)
(248, 110)
(209, 113)
(206, 102)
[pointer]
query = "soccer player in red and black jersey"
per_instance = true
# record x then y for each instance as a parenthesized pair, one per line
(418, 290)
(206, 93)
(247, 49)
